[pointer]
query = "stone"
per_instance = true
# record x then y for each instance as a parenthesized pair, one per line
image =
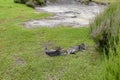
(20, 1)
(30, 3)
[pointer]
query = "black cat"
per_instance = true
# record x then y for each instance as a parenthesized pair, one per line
(56, 52)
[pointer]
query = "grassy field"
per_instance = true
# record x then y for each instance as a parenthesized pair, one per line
(22, 54)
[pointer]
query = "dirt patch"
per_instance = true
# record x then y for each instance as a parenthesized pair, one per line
(18, 60)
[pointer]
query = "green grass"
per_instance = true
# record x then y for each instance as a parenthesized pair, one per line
(111, 1)
(110, 66)
(105, 29)
(22, 54)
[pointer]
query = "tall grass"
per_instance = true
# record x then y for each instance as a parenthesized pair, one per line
(105, 32)
(105, 29)
(110, 68)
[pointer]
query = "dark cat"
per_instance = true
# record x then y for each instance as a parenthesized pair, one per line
(56, 52)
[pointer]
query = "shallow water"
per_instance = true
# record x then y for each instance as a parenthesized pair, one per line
(67, 15)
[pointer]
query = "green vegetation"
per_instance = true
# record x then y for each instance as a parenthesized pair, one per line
(105, 29)
(103, 0)
(108, 23)
(111, 1)
(110, 68)
(22, 54)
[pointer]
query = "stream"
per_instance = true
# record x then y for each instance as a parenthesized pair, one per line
(67, 14)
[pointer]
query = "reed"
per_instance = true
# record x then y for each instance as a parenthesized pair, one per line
(105, 32)
(105, 29)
